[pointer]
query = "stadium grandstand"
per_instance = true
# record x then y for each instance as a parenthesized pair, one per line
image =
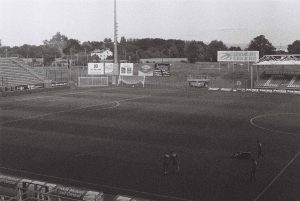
(16, 74)
(278, 72)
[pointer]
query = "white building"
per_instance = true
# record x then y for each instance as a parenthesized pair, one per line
(102, 54)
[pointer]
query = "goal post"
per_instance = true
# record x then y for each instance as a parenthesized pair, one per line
(131, 80)
(93, 81)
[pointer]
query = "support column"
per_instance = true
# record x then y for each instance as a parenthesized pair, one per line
(251, 77)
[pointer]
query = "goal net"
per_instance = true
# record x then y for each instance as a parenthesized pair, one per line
(92, 81)
(131, 80)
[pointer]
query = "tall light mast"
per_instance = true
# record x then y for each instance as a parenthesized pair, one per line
(115, 34)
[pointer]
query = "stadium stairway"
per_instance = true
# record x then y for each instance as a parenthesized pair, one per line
(14, 73)
(294, 83)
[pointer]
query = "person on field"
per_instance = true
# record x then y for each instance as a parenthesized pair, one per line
(174, 160)
(166, 162)
(259, 149)
(253, 170)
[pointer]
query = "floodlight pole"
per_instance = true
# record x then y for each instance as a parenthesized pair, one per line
(115, 34)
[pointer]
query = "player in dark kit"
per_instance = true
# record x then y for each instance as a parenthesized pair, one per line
(166, 161)
(175, 162)
(259, 149)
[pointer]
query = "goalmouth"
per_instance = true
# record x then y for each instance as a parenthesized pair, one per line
(131, 80)
(93, 81)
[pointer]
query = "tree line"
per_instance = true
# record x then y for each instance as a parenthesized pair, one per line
(60, 46)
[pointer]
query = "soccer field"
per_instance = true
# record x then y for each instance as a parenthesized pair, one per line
(113, 139)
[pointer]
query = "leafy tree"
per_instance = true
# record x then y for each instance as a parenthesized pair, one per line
(57, 41)
(294, 48)
(108, 43)
(213, 48)
(123, 40)
(232, 48)
(86, 46)
(261, 44)
(173, 51)
(97, 45)
(72, 46)
(49, 54)
(195, 51)
(95, 58)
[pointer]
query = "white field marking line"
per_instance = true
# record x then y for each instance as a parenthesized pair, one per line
(272, 130)
(97, 185)
(117, 104)
(71, 110)
(277, 176)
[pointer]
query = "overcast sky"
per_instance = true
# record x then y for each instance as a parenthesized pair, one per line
(232, 21)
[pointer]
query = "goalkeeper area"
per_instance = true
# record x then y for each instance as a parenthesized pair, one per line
(112, 140)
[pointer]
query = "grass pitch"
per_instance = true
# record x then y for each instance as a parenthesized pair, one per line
(115, 138)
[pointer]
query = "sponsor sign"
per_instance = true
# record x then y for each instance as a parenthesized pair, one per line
(69, 192)
(297, 92)
(8, 181)
(238, 83)
(213, 89)
(126, 69)
(123, 198)
(238, 56)
(146, 70)
(280, 91)
(162, 69)
(109, 68)
(95, 68)
(266, 90)
(226, 89)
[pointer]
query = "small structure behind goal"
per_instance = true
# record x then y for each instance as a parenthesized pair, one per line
(93, 81)
(131, 80)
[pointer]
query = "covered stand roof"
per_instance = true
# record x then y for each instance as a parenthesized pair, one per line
(279, 60)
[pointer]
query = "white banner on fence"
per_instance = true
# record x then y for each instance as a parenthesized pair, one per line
(213, 89)
(109, 68)
(226, 89)
(126, 69)
(95, 68)
(238, 56)
(146, 70)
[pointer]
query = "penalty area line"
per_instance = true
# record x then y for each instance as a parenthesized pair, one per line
(276, 177)
(97, 185)
(72, 110)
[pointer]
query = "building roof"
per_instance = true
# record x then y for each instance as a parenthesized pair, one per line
(279, 60)
(100, 51)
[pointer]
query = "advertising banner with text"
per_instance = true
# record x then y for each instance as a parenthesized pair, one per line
(126, 69)
(238, 56)
(95, 68)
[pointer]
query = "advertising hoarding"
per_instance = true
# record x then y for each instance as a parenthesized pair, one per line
(126, 69)
(145, 70)
(95, 68)
(109, 68)
(238, 56)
